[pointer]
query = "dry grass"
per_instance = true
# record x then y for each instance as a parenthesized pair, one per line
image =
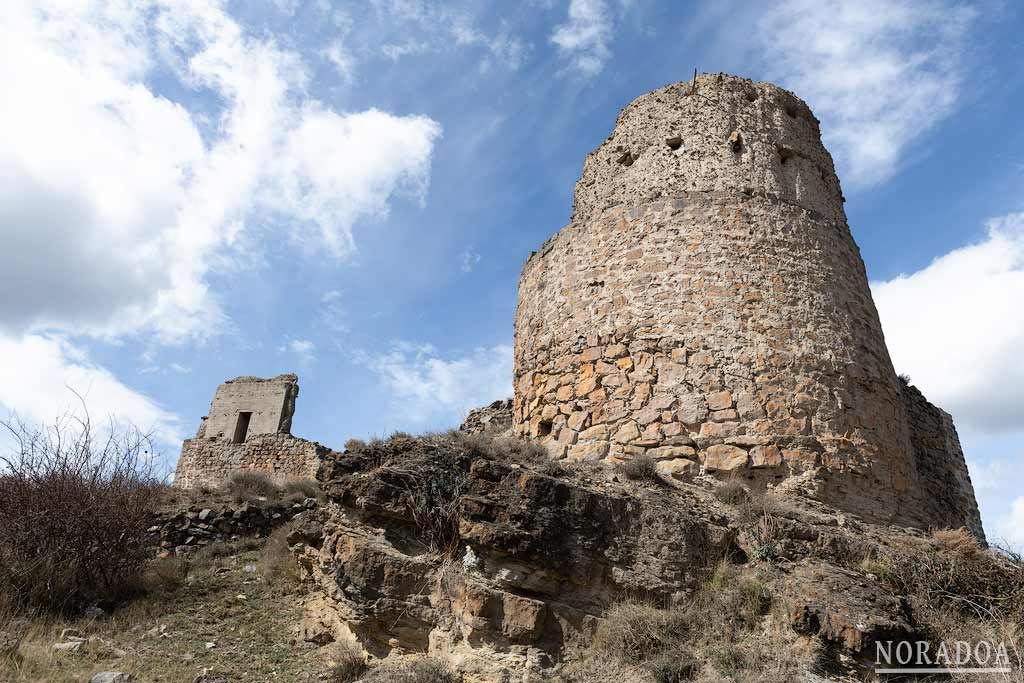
(222, 600)
(278, 566)
(348, 663)
(248, 485)
(301, 489)
(640, 468)
(718, 634)
(502, 448)
(412, 670)
(732, 492)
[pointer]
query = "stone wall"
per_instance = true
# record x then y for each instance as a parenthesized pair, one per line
(270, 401)
(496, 417)
(947, 493)
(209, 461)
(708, 307)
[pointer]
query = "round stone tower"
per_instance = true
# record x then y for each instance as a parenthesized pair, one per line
(708, 307)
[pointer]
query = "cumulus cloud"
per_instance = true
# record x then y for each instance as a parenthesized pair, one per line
(41, 386)
(1011, 528)
(428, 388)
(118, 201)
(585, 35)
(956, 328)
(879, 73)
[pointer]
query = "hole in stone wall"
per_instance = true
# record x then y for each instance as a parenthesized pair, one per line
(241, 427)
(751, 96)
(791, 110)
(736, 141)
(785, 153)
(626, 159)
(544, 428)
(674, 143)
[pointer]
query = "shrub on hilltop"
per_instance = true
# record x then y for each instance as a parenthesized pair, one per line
(74, 508)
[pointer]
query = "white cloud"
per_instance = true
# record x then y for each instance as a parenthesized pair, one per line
(41, 375)
(118, 203)
(879, 73)
(438, 27)
(470, 257)
(585, 35)
(427, 388)
(343, 61)
(956, 328)
(1011, 528)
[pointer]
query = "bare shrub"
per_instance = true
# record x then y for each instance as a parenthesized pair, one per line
(732, 492)
(347, 663)
(434, 497)
(632, 632)
(304, 488)
(248, 485)
(503, 448)
(74, 509)
(640, 468)
(721, 624)
(355, 445)
(413, 670)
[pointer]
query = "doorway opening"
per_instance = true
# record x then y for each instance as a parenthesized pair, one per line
(241, 427)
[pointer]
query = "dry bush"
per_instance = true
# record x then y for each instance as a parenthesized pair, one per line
(732, 492)
(632, 632)
(412, 670)
(959, 541)
(248, 485)
(278, 566)
(347, 663)
(960, 591)
(434, 497)
(503, 448)
(301, 489)
(640, 468)
(355, 445)
(74, 509)
(718, 628)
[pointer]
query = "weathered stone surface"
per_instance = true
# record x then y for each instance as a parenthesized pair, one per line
(720, 274)
(112, 677)
(722, 458)
(539, 558)
(496, 417)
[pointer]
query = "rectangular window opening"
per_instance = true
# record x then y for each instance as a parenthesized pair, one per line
(241, 427)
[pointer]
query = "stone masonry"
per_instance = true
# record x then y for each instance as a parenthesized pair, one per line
(707, 306)
(248, 428)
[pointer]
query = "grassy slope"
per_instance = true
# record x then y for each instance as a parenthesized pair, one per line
(163, 637)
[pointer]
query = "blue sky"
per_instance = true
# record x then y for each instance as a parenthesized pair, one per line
(191, 191)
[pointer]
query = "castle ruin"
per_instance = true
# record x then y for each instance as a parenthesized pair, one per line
(248, 427)
(707, 306)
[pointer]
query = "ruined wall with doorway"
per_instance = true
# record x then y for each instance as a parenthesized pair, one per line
(249, 428)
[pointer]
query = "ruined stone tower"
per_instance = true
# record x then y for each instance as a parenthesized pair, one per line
(707, 306)
(248, 427)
